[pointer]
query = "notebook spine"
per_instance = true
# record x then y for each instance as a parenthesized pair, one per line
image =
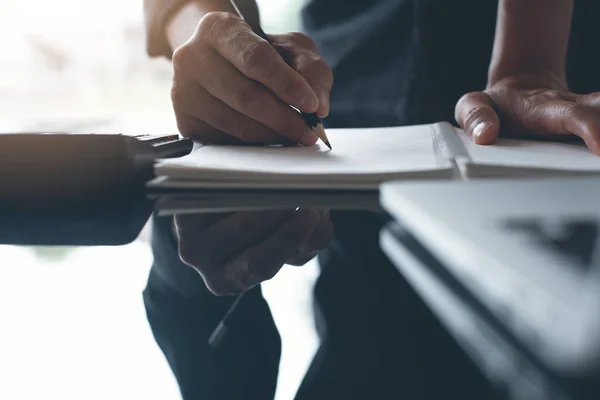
(449, 149)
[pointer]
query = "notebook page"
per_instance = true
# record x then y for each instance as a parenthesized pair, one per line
(532, 154)
(356, 153)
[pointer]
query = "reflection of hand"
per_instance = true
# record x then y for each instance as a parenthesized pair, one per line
(530, 104)
(229, 84)
(234, 252)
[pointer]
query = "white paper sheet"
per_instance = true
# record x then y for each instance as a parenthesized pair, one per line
(532, 154)
(357, 155)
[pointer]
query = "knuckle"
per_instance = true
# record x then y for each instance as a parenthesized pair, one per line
(181, 57)
(188, 59)
(303, 40)
(253, 55)
(312, 62)
(256, 270)
(251, 268)
(213, 23)
(298, 35)
(571, 110)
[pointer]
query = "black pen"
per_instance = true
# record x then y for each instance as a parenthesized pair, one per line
(314, 122)
(221, 331)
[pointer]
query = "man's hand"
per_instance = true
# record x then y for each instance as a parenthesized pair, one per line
(234, 252)
(530, 105)
(527, 93)
(229, 84)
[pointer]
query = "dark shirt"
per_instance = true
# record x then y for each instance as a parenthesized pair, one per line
(399, 62)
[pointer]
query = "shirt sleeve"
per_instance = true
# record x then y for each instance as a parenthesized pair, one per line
(156, 15)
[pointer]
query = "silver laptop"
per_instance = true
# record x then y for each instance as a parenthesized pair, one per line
(529, 251)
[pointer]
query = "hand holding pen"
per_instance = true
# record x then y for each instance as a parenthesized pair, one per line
(231, 84)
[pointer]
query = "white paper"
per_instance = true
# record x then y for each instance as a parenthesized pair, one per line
(357, 155)
(532, 154)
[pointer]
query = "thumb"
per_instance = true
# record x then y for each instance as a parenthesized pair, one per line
(475, 114)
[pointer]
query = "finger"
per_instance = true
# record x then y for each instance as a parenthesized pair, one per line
(300, 53)
(257, 59)
(590, 100)
(301, 258)
(299, 39)
(318, 74)
(193, 225)
(321, 236)
(194, 101)
(476, 115)
(262, 261)
(206, 248)
(201, 132)
(564, 117)
(246, 96)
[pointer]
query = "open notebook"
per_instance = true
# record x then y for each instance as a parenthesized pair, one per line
(362, 159)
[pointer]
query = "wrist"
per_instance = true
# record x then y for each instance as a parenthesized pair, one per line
(535, 75)
(531, 38)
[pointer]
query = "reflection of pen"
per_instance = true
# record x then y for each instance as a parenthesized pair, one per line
(314, 122)
(221, 331)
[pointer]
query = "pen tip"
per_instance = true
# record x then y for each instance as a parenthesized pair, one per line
(320, 132)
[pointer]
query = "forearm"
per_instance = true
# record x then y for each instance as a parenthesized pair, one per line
(183, 24)
(531, 36)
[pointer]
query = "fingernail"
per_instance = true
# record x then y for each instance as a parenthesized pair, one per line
(479, 129)
(309, 138)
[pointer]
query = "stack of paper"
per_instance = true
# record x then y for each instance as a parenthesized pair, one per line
(361, 159)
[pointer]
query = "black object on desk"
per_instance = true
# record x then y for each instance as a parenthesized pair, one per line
(60, 172)
(78, 189)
